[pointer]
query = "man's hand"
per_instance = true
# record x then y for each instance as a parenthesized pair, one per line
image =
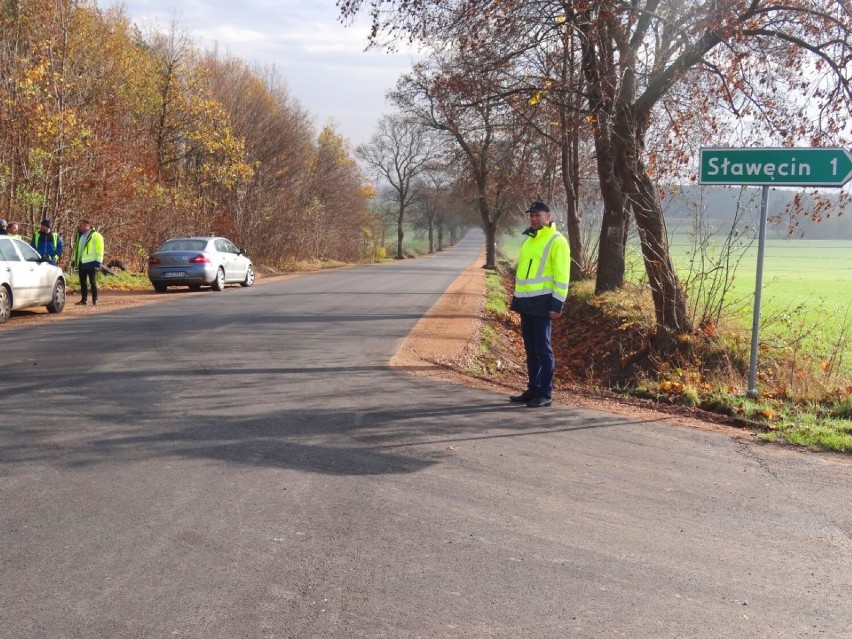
(554, 314)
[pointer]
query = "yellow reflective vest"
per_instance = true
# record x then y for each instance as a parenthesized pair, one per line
(88, 249)
(541, 281)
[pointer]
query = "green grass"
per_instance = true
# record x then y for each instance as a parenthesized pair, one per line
(121, 281)
(495, 301)
(813, 430)
(806, 323)
(795, 272)
(495, 297)
(509, 246)
(813, 274)
(806, 297)
(413, 242)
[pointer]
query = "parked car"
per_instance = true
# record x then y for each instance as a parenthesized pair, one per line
(197, 262)
(27, 279)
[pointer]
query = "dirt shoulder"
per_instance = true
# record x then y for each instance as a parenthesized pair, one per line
(444, 342)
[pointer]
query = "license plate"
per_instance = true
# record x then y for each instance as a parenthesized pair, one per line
(175, 274)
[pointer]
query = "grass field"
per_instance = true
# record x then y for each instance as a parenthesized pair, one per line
(795, 272)
(806, 294)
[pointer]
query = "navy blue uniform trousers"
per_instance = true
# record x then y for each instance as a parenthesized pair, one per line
(536, 331)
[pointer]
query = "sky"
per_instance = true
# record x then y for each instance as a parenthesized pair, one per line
(322, 62)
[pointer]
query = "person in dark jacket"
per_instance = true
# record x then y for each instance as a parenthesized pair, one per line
(541, 286)
(48, 243)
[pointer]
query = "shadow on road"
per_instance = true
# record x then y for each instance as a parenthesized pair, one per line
(390, 433)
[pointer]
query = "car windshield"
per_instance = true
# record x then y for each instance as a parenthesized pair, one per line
(184, 245)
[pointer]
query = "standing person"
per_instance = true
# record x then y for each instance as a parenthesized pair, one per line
(3, 227)
(87, 257)
(13, 230)
(47, 243)
(541, 286)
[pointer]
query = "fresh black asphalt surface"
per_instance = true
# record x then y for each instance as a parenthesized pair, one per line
(246, 464)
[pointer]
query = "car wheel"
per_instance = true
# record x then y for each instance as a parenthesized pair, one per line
(57, 302)
(5, 304)
(160, 288)
(219, 282)
(249, 277)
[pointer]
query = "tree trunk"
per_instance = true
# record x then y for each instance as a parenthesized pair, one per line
(399, 234)
(490, 228)
(571, 182)
(599, 74)
(613, 238)
(489, 225)
(570, 152)
(669, 298)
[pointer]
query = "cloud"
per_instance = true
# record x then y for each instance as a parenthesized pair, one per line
(230, 36)
(323, 62)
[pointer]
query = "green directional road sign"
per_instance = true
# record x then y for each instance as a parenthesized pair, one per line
(783, 166)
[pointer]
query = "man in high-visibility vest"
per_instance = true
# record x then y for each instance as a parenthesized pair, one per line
(541, 286)
(48, 243)
(87, 257)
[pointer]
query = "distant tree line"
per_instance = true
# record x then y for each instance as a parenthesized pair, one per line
(791, 213)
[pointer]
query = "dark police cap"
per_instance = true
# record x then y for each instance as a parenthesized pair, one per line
(538, 205)
(45, 222)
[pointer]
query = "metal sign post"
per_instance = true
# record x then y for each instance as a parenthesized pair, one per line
(785, 166)
(758, 289)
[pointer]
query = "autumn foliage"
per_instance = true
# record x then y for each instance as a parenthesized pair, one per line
(639, 86)
(151, 138)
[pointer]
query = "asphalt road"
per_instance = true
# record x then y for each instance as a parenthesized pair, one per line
(245, 464)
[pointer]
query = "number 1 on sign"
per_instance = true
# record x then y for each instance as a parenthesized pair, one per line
(834, 166)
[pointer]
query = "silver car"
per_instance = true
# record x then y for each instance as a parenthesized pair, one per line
(28, 280)
(197, 262)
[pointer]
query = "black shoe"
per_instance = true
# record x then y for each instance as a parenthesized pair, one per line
(523, 398)
(94, 302)
(81, 303)
(540, 402)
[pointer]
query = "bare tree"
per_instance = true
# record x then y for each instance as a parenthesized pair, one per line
(432, 192)
(399, 151)
(492, 147)
(763, 62)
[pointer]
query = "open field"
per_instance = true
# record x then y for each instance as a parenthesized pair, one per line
(807, 288)
(806, 294)
(795, 272)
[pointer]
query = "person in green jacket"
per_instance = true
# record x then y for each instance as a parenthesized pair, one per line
(88, 257)
(541, 286)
